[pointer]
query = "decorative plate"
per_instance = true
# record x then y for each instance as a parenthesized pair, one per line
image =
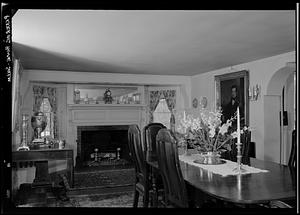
(204, 102)
(195, 102)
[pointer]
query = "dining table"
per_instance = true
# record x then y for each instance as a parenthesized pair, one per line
(276, 182)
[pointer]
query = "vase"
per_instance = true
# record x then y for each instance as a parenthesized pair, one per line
(38, 123)
(211, 158)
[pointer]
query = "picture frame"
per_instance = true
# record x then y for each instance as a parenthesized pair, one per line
(195, 103)
(223, 85)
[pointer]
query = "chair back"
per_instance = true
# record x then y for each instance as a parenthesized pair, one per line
(149, 136)
(168, 162)
(246, 139)
(292, 159)
(137, 153)
(245, 148)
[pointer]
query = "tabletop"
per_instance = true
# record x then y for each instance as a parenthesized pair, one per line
(277, 183)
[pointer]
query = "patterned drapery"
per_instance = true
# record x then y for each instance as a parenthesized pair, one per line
(154, 100)
(39, 93)
(170, 96)
(51, 92)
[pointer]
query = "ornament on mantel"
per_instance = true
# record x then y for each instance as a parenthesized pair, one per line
(107, 96)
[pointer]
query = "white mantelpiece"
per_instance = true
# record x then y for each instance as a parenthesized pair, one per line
(102, 114)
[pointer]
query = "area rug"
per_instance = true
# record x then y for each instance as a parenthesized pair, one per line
(111, 200)
(104, 178)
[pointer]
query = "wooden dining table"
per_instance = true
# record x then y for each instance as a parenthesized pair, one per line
(278, 183)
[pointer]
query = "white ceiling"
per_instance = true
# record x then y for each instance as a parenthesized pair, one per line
(175, 42)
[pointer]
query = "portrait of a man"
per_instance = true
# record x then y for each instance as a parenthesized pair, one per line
(230, 108)
(231, 94)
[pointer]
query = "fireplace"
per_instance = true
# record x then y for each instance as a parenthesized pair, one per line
(97, 118)
(111, 142)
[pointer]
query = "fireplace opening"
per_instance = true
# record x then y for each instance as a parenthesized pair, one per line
(103, 146)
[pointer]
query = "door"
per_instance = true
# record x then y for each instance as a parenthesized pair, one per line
(272, 107)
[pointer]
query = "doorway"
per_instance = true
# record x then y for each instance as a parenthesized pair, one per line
(279, 106)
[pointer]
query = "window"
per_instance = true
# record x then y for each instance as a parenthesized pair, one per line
(47, 110)
(162, 113)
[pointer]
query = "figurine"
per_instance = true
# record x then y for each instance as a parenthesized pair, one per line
(107, 96)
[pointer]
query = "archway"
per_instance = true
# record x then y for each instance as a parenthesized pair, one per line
(279, 98)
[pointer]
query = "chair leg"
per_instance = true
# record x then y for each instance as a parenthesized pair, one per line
(151, 199)
(146, 199)
(135, 199)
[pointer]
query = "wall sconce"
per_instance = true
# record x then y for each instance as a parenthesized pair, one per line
(254, 92)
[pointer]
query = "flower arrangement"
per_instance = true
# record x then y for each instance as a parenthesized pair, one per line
(206, 133)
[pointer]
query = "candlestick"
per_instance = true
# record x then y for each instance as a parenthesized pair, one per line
(238, 126)
(24, 145)
(184, 119)
(118, 153)
(239, 168)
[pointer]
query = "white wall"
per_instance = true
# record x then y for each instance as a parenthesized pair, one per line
(260, 72)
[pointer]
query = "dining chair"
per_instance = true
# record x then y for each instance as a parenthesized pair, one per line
(149, 136)
(141, 185)
(168, 162)
(149, 140)
(245, 149)
(246, 139)
(293, 158)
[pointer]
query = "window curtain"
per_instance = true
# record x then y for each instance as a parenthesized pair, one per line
(170, 96)
(39, 92)
(154, 100)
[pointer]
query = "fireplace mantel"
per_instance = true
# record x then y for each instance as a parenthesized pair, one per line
(99, 106)
(106, 114)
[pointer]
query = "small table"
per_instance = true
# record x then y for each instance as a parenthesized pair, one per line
(41, 158)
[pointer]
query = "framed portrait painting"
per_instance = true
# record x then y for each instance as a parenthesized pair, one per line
(231, 90)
